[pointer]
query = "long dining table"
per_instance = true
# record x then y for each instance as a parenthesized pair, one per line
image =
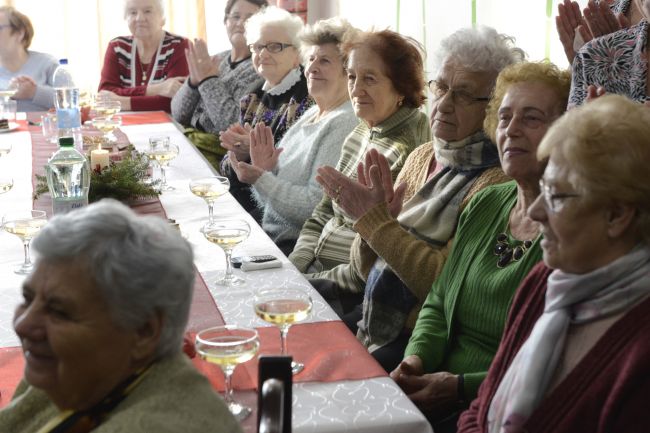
(342, 388)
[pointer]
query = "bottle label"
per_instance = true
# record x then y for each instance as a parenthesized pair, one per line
(68, 118)
(61, 206)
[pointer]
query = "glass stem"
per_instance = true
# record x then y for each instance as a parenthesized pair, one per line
(284, 330)
(210, 211)
(228, 275)
(28, 261)
(163, 176)
(227, 395)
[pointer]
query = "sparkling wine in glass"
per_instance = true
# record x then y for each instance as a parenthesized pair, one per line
(209, 189)
(25, 225)
(6, 183)
(162, 151)
(227, 234)
(107, 125)
(283, 307)
(228, 346)
(106, 107)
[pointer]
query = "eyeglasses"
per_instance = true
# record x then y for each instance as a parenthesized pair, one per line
(271, 47)
(555, 202)
(236, 18)
(459, 97)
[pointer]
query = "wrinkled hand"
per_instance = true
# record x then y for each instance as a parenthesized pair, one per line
(263, 153)
(410, 366)
(245, 172)
(167, 88)
(237, 139)
(594, 92)
(374, 186)
(25, 87)
(200, 63)
(569, 19)
(601, 20)
(429, 392)
(125, 101)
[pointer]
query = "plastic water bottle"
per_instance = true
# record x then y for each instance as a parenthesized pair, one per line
(66, 101)
(68, 177)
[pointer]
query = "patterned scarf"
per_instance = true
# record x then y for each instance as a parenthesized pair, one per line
(431, 215)
(570, 298)
(87, 420)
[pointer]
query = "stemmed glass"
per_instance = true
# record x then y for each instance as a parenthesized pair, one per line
(283, 307)
(209, 189)
(162, 151)
(227, 346)
(25, 225)
(227, 234)
(106, 107)
(107, 125)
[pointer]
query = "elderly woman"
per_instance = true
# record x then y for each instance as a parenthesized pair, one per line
(614, 63)
(386, 85)
(145, 70)
(101, 327)
(437, 181)
(28, 72)
(575, 353)
(278, 100)
(208, 102)
(284, 184)
(496, 244)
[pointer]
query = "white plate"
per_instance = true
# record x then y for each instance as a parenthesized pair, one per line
(12, 126)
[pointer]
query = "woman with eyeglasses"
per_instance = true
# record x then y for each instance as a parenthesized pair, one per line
(575, 354)
(385, 285)
(28, 73)
(278, 99)
(208, 101)
(496, 244)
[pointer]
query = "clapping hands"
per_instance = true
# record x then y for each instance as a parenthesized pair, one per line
(200, 63)
(264, 156)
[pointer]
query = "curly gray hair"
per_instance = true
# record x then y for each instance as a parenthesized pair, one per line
(329, 31)
(479, 49)
(274, 16)
(141, 265)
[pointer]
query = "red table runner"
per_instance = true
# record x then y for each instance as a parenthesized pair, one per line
(335, 355)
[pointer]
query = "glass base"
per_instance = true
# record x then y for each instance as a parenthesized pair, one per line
(23, 269)
(232, 280)
(297, 367)
(166, 187)
(239, 411)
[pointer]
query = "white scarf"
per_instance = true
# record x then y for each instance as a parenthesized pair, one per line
(570, 298)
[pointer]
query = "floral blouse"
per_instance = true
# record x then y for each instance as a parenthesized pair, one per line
(617, 61)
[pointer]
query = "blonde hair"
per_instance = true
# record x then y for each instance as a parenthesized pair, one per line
(19, 22)
(606, 144)
(526, 72)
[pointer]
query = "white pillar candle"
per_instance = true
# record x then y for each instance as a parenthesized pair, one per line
(99, 159)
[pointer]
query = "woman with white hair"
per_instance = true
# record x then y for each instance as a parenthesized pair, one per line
(145, 70)
(278, 99)
(101, 326)
(283, 179)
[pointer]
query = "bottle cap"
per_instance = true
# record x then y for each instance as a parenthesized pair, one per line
(63, 61)
(66, 141)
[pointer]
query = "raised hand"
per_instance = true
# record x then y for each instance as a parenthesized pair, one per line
(567, 21)
(601, 20)
(262, 150)
(237, 139)
(200, 63)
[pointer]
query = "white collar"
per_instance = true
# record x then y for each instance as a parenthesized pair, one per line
(292, 77)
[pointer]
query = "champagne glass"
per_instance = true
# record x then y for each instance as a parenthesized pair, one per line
(106, 107)
(107, 125)
(6, 183)
(227, 234)
(209, 189)
(162, 151)
(5, 148)
(283, 307)
(227, 346)
(25, 225)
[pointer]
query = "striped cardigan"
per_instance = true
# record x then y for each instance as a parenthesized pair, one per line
(117, 77)
(323, 248)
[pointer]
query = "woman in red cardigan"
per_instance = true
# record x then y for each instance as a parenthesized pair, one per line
(145, 70)
(575, 355)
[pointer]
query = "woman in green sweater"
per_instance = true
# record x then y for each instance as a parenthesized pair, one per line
(496, 244)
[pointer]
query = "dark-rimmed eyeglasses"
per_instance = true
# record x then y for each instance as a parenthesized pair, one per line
(555, 202)
(271, 47)
(459, 97)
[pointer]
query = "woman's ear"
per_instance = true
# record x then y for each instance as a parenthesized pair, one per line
(619, 219)
(148, 337)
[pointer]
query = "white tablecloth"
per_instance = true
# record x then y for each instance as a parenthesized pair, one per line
(372, 405)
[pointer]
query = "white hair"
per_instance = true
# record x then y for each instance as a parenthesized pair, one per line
(330, 31)
(479, 49)
(141, 265)
(274, 16)
(159, 4)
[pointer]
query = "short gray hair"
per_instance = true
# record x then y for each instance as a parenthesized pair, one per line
(330, 31)
(141, 265)
(480, 49)
(160, 4)
(274, 16)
